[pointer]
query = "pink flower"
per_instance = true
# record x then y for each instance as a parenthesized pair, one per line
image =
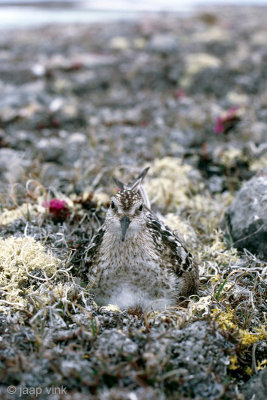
(57, 205)
(58, 208)
(219, 128)
(180, 94)
(226, 122)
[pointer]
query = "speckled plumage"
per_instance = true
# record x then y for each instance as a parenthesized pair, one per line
(149, 268)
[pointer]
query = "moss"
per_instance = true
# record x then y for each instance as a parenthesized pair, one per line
(262, 364)
(228, 320)
(233, 362)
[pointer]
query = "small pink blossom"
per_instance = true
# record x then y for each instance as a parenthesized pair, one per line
(180, 94)
(227, 121)
(57, 205)
(58, 208)
(219, 128)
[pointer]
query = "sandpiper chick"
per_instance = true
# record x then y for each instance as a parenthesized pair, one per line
(136, 261)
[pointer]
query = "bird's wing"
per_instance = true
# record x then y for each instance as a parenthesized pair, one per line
(94, 246)
(170, 246)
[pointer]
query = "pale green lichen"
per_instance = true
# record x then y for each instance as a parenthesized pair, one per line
(230, 156)
(9, 216)
(119, 43)
(26, 210)
(168, 184)
(239, 99)
(111, 308)
(101, 198)
(214, 34)
(258, 164)
(185, 229)
(195, 63)
(20, 258)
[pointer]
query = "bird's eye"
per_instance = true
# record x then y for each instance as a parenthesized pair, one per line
(141, 207)
(112, 204)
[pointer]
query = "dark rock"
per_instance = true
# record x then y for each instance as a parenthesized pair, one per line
(145, 393)
(76, 143)
(11, 164)
(256, 387)
(246, 219)
(51, 149)
(215, 184)
(185, 139)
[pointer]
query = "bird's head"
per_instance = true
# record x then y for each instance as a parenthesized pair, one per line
(126, 216)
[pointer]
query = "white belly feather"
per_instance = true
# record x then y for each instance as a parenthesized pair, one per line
(129, 275)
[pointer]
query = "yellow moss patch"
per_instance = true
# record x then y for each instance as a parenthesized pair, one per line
(233, 362)
(207, 211)
(261, 365)
(225, 319)
(248, 371)
(119, 43)
(228, 320)
(100, 198)
(19, 258)
(213, 34)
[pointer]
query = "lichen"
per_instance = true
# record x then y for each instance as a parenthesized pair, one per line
(9, 216)
(230, 156)
(258, 164)
(111, 307)
(195, 63)
(101, 198)
(20, 259)
(168, 184)
(177, 224)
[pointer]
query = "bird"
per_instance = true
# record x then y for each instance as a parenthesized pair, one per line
(134, 260)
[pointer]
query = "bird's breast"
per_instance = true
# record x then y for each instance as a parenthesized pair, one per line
(130, 274)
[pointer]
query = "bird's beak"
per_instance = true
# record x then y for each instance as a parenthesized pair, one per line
(125, 222)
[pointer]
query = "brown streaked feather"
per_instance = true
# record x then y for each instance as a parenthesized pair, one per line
(128, 198)
(93, 248)
(172, 248)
